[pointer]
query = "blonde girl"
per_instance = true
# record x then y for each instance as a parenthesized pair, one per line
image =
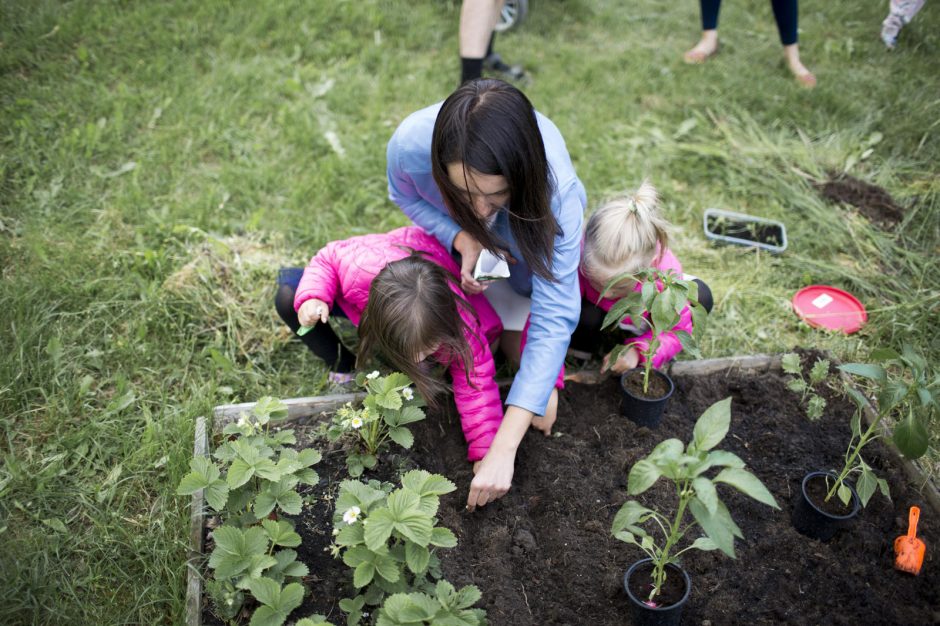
(623, 236)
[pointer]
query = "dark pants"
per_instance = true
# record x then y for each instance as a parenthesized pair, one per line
(322, 341)
(785, 12)
(588, 336)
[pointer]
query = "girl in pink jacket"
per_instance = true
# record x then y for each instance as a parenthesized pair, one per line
(624, 236)
(402, 291)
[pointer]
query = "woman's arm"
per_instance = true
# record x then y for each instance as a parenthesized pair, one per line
(410, 183)
(556, 307)
(494, 473)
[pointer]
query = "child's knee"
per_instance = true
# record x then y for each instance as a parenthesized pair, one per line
(705, 297)
(284, 302)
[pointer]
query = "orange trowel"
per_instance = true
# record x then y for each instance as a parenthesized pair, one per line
(908, 549)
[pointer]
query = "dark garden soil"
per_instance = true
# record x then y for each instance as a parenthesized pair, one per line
(871, 201)
(543, 554)
(658, 387)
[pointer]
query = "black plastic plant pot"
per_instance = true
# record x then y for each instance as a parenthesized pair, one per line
(811, 520)
(643, 613)
(644, 411)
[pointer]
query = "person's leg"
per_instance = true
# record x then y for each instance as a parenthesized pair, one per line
(493, 62)
(786, 14)
(900, 13)
(708, 44)
(321, 340)
(586, 338)
(510, 342)
(477, 21)
(513, 311)
(705, 297)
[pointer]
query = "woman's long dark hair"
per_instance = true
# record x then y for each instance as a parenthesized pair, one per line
(490, 126)
(412, 308)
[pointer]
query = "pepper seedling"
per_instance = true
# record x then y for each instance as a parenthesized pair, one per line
(685, 466)
(660, 301)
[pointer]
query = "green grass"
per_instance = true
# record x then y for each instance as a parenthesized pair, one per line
(159, 161)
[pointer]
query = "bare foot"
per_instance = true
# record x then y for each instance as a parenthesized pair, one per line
(705, 48)
(803, 76)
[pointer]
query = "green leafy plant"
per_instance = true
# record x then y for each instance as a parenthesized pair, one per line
(388, 538)
(313, 620)
(907, 395)
(685, 466)
(806, 387)
(257, 473)
(389, 406)
(445, 606)
(257, 476)
(277, 602)
(660, 301)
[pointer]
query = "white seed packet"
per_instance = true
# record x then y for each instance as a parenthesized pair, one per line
(490, 267)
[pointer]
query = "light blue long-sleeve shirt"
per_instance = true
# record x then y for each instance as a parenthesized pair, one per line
(556, 306)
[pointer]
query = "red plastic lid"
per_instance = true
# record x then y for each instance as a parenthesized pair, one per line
(822, 306)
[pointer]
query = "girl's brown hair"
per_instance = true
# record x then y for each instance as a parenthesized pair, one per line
(412, 308)
(491, 127)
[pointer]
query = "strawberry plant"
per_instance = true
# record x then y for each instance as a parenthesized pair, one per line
(388, 539)
(805, 386)
(257, 476)
(389, 406)
(445, 606)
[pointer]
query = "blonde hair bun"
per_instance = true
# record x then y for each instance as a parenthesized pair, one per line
(622, 235)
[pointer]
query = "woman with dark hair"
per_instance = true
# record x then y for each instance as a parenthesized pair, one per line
(484, 170)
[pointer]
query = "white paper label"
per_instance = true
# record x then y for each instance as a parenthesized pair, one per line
(821, 301)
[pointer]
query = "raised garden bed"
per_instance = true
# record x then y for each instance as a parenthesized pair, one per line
(544, 554)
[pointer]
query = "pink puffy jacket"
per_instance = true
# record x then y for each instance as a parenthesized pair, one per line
(669, 344)
(342, 272)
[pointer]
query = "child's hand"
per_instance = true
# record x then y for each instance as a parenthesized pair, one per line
(627, 360)
(545, 422)
(313, 311)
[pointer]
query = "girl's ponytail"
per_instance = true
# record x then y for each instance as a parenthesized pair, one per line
(623, 235)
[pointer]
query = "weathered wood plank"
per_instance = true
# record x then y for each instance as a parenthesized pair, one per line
(297, 408)
(196, 523)
(703, 367)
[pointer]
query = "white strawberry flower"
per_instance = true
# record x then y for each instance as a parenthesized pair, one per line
(373, 375)
(408, 393)
(351, 515)
(356, 422)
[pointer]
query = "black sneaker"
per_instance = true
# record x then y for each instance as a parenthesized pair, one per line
(495, 63)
